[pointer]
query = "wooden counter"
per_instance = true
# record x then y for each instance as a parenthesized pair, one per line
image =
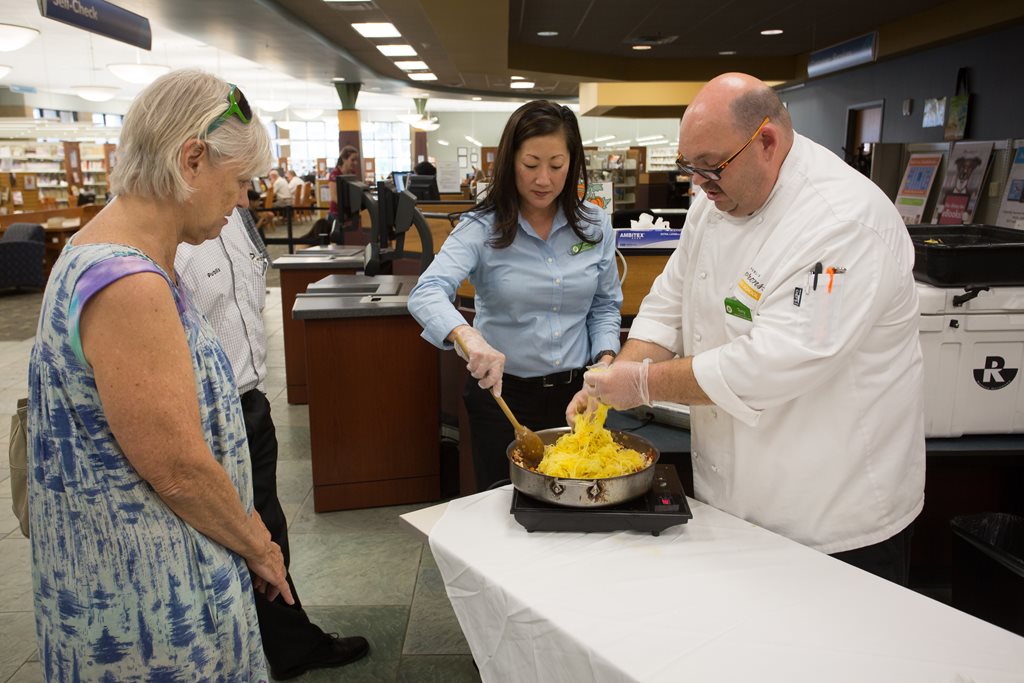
(374, 412)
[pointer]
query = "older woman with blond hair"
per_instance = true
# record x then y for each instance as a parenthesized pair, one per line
(145, 548)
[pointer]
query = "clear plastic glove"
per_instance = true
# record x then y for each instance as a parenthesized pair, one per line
(484, 362)
(583, 402)
(621, 385)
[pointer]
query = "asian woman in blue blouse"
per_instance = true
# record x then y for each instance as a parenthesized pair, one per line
(542, 262)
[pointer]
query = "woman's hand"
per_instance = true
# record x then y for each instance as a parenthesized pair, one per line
(267, 565)
(483, 361)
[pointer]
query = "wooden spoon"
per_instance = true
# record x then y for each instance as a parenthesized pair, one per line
(530, 446)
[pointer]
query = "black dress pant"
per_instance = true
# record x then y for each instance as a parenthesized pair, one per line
(288, 635)
(889, 559)
(534, 405)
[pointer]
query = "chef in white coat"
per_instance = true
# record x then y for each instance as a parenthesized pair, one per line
(787, 320)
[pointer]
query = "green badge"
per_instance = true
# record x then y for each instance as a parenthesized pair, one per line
(737, 308)
(581, 247)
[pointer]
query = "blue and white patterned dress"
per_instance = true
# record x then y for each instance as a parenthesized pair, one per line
(125, 590)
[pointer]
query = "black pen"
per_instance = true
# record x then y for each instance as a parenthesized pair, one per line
(817, 271)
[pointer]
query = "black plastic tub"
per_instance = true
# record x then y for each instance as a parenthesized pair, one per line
(968, 255)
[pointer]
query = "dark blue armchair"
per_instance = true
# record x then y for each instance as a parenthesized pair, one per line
(22, 251)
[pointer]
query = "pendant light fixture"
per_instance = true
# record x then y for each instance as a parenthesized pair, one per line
(14, 37)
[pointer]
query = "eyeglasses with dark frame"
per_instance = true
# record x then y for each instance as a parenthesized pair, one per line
(237, 106)
(716, 173)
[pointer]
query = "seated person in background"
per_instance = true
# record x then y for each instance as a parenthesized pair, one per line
(424, 168)
(282, 191)
(294, 183)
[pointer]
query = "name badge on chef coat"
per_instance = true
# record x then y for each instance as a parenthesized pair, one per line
(581, 247)
(734, 306)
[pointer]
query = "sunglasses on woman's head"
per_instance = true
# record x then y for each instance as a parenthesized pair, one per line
(237, 106)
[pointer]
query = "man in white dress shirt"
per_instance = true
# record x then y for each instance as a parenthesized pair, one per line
(226, 278)
(787, 320)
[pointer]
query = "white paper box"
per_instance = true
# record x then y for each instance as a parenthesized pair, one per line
(973, 361)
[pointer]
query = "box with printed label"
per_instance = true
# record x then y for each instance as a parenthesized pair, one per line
(647, 239)
(973, 345)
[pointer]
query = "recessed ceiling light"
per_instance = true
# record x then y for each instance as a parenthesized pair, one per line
(522, 85)
(477, 99)
(641, 47)
(771, 32)
(443, 143)
(727, 52)
(423, 76)
(604, 137)
(379, 29)
(400, 50)
(338, 79)
(516, 78)
(476, 142)
(411, 65)
(547, 34)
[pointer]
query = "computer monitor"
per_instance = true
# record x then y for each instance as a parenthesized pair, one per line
(400, 180)
(396, 213)
(423, 187)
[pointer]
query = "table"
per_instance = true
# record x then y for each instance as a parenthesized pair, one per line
(718, 599)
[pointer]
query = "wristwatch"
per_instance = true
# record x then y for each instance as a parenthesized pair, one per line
(599, 354)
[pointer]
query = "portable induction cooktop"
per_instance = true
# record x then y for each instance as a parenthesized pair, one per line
(663, 506)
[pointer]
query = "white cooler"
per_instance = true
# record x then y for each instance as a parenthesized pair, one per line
(973, 360)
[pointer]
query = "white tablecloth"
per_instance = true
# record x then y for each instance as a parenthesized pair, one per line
(717, 599)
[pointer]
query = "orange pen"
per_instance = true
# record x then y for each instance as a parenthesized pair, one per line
(831, 277)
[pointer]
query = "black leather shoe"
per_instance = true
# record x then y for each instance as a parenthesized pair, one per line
(333, 651)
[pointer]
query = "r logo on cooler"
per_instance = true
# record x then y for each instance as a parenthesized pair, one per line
(995, 374)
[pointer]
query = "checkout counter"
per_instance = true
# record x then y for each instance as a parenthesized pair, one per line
(374, 397)
(298, 271)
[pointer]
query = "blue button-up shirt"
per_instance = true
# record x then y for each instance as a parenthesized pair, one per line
(547, 305)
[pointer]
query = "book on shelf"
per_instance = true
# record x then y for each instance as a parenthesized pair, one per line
(917, 185)
(961, 187)
(1011, 210)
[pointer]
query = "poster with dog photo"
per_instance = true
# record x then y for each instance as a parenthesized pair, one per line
(1011, 211)
(961, 187)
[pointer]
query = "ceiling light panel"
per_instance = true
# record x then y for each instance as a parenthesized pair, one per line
(399, 50)
(423, 76)
(380, 29)
(412, 65)
(522, 85)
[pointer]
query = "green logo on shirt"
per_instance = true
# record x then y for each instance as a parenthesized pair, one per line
(734, 306)
(581, 247)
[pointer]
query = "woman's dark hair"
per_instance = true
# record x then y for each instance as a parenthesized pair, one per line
(346, 152)
(531, 120)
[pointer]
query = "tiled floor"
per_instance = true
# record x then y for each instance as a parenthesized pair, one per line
(357, 572)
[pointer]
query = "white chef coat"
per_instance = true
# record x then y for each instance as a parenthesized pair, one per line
(817, 427)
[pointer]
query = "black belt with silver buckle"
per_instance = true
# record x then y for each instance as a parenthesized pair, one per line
(556, 379)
